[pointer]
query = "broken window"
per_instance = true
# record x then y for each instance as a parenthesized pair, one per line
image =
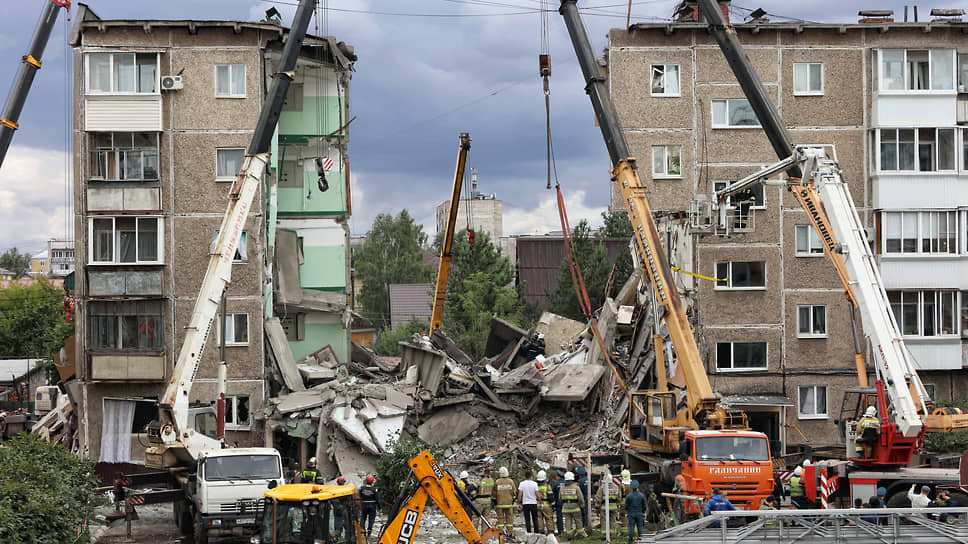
(812, 321)
(237, 412)
(228, 162)
(741, 275)
(741, 355)
(733, 113)
(925, 313)
(123, 156)
(807, 78)
(241, 250)
(808, 241)
(812, 402)
(131, 325)
(236, 329)
(230, 81)
(666, 161)
(295, 326)
(122, 73)
(665, 80)
(917, 69)
(126, 240)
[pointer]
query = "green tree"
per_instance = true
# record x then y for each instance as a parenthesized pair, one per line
(480, 286)
(394, 479)
(593, 260)
(48, 493)
(387, 343)
(16, 262)
(32, 320)
(390, 254)
(617, 225)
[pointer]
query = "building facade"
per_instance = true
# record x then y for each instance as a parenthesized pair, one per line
(484, 213)
(164, 111)
(60, 257)
(888, 96)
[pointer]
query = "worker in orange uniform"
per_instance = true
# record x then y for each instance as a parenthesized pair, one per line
(572, 507)
(504, 493)
(546, 509)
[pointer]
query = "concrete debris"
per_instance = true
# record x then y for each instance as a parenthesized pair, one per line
(447, 427)
(282, 355)
(559, 332)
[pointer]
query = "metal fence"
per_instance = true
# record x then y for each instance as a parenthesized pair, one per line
(856, 526)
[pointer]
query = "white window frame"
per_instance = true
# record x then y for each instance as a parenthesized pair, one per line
(115, 246)
(919, 298)
(227, 177)
(230, 339)
(113, 91)
(232, 411)
(935, 150)
(923, 225)
(666, 158)
(812, 311)
(809, 91)
(120, 150)
(232, 68)
(732, 355)
(118, 310)
(729, 277)
(812, 237)
(727, 102)
(241, 250)
(906, 76)
(813, 390)
(665, 72)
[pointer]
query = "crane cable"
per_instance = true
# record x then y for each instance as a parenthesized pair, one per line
(544, 70)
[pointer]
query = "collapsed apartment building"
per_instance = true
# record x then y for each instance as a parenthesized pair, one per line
(163, 112)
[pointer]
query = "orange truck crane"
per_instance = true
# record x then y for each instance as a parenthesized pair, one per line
(707, 443)
(306, 513)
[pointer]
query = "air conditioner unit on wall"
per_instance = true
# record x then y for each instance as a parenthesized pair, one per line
(171, 83)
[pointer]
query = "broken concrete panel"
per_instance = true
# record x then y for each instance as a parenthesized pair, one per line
(441, 341)
(345, 417)
(300, 429)
(398, 398)
(316, 373)
(624, 316)
(571, 382)
(447, 427)
(386, 430)
(430, 365)
(526, 375)
(606, 326)
(352, 465)
(366, 357)
(502, 335)
(626, 295)
(324, 463)
(368, 411)
(304, 400)
(558, 331)
(279, 347)
(287, 266)
(320, 301)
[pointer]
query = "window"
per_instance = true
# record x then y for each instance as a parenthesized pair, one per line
(733, 113)
(295, 326)
(808, 241)
(921, 232)
(123, 156)
(126, 240)
(812, 402)
(666, 161)
(237, 412)
(754, 196)
(122, 73)
(228, 162)
(665, 80)
(128, 325)
(230, 81)
(236, 329)
(807, 78)
(741, 275)
(922, 149)
(917, 69)
(811, 321)
(241, 251)
(930, 388)
(741, 355)
(925, 313)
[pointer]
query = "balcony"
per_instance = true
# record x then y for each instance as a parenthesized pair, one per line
(122, 92)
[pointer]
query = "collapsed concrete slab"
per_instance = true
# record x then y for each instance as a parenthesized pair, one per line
(282, 355)
(527, 375)
(353, 465)
(429, 362)
(558, 331)
(386, 430)
(571, 382)
(503, 335)
(346, 418)
(447, 426)
(314, 374)
(304, 400)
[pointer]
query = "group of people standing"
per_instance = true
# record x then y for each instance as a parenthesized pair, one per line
(367, 494)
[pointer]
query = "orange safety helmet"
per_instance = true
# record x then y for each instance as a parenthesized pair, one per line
(369, 479)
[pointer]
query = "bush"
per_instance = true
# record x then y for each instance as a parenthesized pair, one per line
(46, 493)
(394, 479)
(387, 344)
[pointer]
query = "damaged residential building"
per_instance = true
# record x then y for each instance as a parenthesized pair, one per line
(771, 316)
(164, 110)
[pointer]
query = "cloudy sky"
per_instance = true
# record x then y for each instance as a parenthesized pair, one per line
(427, 70)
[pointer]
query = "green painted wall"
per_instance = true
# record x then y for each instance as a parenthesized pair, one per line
(318, 335)
(293, 201)
(324, 268)
(305, 123)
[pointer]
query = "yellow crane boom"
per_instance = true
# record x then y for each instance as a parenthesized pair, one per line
(443, 270)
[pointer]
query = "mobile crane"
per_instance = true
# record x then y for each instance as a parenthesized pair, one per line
(709, 444)
(817, 183)
(443, 269)
(25, 76)
(298, 513)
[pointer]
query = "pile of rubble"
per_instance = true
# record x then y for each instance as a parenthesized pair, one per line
(523, 401)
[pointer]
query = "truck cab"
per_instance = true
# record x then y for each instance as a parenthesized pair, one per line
(310, 513)
(737, 462)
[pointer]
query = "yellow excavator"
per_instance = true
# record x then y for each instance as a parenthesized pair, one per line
(314, 514)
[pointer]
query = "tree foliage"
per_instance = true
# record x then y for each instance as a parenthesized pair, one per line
(47, 492)
(618, 225)
(387, 343)
(480, 285)
(394, 479)
(16, 262)
(32, 320)
(593, 261)
(390, 254)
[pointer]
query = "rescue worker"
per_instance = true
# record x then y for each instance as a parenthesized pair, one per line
(546, 517)
(468, 488)
(719, 503)
(614, 497)
(341, 481)
(309, 474)
(572, 507)
(868, 428)
(485, 494)
(798, 496)
(583, 485)
(504, 492)
(635, 508)
(369, 499)
(556, 491)
(626, 488)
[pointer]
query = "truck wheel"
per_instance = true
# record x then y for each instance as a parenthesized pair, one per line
(201, 532)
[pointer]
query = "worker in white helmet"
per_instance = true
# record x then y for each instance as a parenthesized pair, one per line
(309, 474)
(572, 507)
(504, 493)
(868, 429)
(546, 512)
